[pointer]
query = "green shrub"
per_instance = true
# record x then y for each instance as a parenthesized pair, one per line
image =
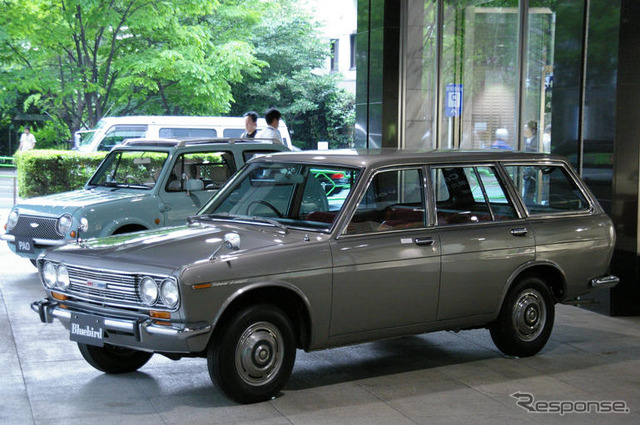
(42, 172)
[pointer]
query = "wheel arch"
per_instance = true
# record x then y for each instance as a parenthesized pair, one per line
(548, 271)
(287, 297)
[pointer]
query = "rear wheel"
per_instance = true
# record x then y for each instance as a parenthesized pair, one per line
(252, 357)
(526, 318)
(112, 359)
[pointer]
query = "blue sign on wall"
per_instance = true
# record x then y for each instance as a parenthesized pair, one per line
(453, 100)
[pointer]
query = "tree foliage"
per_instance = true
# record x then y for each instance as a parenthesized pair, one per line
(82, 59)
(79, 60)
(312, 104)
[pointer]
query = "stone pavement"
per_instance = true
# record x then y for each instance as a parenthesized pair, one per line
(452, 378)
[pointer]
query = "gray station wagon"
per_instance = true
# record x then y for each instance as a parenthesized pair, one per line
(276, 261)
(142, 184)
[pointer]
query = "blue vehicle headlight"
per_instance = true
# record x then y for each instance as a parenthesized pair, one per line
(64, 224)
(14, 215)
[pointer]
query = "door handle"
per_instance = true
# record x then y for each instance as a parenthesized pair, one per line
(165, 207)
(423, 241)
(520, 231)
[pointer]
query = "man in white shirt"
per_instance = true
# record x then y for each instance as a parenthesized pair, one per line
(272, 117)
(27, 140)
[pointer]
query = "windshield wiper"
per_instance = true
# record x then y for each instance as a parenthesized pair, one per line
(210, 217)
(272, 222)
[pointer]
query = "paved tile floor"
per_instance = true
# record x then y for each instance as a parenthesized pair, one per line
(440, 378)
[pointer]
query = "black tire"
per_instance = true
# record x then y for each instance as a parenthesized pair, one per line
(251, 359)
(526, 318)
(111, 359)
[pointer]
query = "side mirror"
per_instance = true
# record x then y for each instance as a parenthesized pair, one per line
(231, 242)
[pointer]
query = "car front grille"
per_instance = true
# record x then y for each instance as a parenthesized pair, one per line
(106, 288)
(36, 227)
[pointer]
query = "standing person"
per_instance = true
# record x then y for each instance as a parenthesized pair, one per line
(272, 116)
(250, 125)
(27, 140)
(531, 136)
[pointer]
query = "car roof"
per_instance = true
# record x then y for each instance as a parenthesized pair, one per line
(385, 157)
(199, 142)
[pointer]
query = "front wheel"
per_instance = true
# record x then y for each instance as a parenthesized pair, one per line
(112, 359)
(252, 357)
(526, 318)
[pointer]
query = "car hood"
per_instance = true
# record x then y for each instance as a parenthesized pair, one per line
(59, 203)
(172, 248)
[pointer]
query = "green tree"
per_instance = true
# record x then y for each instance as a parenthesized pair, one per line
(81, 59)
(312, 105)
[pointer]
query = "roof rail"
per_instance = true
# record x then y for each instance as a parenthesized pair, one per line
(231, 140)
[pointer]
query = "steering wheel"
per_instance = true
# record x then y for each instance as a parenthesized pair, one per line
(133, 179)
(266, 204)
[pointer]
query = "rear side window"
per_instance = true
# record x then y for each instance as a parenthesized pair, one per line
(547, 189)
(470, 195)
(211, 169)
(182, 133)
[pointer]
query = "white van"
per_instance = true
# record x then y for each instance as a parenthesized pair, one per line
(111, 131)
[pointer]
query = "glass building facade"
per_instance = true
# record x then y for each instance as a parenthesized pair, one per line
(529, 75)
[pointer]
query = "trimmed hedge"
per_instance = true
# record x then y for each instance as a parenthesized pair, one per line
(42, 171)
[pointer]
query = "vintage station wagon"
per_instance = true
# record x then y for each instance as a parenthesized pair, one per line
(416, 242)
(142, 184)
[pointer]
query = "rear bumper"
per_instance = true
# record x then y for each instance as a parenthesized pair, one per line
(142, 334)
(604, 282)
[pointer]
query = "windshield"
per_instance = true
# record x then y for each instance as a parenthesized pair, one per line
(130, 169)
(87, 136)
(298, 195)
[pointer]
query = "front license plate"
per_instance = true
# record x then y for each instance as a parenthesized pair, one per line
(24, 245)
(87, 329)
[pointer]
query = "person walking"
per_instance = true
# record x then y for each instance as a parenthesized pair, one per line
(27, 140)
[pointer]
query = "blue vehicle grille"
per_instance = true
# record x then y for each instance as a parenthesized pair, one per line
(36, 227)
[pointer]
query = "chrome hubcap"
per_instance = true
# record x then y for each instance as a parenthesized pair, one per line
(529, 315)
(259, 353)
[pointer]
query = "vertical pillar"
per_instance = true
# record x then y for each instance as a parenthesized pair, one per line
(625, 298)
(378, 73)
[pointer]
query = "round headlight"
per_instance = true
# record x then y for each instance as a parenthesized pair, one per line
(169, 293)
(49, 274)
(148, 291)
(63, 277)
(13, 219)
(64, 224)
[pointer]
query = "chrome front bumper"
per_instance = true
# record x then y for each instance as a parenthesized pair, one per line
(38, 241)
(604, 282)
(142, 334)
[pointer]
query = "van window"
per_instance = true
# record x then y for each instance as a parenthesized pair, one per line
(182, 133)
(233, 132)
(116, 134)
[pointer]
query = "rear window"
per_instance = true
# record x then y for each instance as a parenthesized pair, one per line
(547, 189)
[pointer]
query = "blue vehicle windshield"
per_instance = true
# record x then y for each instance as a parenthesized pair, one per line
(130, 169)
